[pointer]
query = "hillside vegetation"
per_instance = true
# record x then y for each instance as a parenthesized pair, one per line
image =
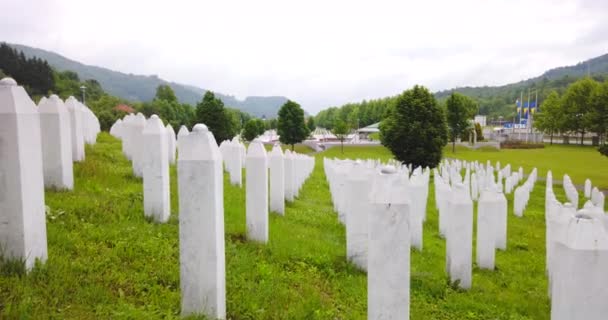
(493, 101)
(142, 88)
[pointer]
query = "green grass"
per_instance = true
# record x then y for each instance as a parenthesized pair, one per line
(578, 162)
(107, 261)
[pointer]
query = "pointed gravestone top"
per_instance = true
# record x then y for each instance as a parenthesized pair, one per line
(276, 151)
(183, 131)
(52, 105)
(169, 128)
(256, 150)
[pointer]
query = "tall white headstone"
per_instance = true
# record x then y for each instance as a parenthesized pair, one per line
(171, 143)
(460, 237)
(76, 129)
(358, 187)
(257, 192)
(157, 202)
(139, 123)
(22, 216)
(580, 280)
(388, 273)
(276, 165)
(289, 178)
(183, 131)
(56, 144)
(201, 225)
(587, 188)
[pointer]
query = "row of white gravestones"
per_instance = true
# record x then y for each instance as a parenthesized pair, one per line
(377, 213)
(130, 130)
(454, 202)
(577, 257)
(152, 149)
(233, 153)
(56, 143)
(522, 194)
(84, 127)
(258, 164)
(350, 185)
(37, 149)
(201, 225)
(570, 191)
(22, 211)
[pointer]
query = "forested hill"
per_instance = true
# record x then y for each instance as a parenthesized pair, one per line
(500, 100)
(492, 101)
(143, 88)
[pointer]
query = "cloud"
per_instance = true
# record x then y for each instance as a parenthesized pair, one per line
(319, 53)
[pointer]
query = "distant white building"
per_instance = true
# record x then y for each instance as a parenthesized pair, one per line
(481, 120)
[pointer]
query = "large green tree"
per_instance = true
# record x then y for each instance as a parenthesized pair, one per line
(414, 128)
(577, 105)
(599, 111)
(550, 119)
(310, 123)
(340, 130)
(291, 126)
(253, 128)
(211, 112)
(460, 110)
(165, 92)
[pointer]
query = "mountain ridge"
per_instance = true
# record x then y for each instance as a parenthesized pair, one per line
(142, 88)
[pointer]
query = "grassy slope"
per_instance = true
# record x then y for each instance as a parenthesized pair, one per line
(106, 260)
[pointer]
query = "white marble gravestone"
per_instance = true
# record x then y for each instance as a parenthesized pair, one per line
(56, 141)
(22, 211)
(116, 129)
(276, 165)
(236, 163)
(289, 170)
(138, 125)
(358, 187)
(201, 225)
(580, 279)
(171, 143)
(388, 272)
(257, 192)
(488, 220)
(125, 134)
(76, 130)
(460, 237)
(157, 202)
(183, 131)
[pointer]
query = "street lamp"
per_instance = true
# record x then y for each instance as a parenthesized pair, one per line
(83, 89)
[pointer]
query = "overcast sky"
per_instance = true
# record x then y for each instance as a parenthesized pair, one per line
(318, 53)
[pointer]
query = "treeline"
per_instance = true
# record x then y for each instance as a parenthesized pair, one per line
(39, 79)
(494, 102)
(581, 109)
(355, 115)
(34, 74)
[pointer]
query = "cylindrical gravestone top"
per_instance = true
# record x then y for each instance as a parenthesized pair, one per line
(200, 128)
(5, 82)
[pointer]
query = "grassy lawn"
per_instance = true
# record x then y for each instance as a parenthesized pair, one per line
(578, 162)
(107, 261)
